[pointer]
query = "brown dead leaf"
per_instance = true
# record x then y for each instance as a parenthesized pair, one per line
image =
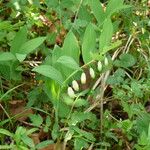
(49, 147)
(17, 107)
(35, 137)
(56, 146)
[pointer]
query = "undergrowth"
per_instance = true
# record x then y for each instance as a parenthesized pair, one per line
(74, 74)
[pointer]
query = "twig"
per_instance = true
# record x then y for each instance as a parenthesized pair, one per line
(125, 48)
(91, 146)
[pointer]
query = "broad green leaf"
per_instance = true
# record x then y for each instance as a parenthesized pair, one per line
(97, 10)
(84, 17)
(36, 120)
(64, 110)
(112, 46)
(57, 52)
(20, 57)
(6, 132)
(31, 45)
(71, 47)
(106, 35)
(50, 72)
(19, 40)
(89, 43)
(6, 56)
(28, 141)
(43, 144)
(111, 7)
(9, 70)
(51, 89)
(68, 62)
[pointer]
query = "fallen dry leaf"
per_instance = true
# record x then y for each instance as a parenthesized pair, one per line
(17, 107)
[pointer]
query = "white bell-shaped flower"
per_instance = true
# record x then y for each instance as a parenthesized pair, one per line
(71, 92)
(99, 66)
(92, 73)
(75, 85)
(83, 78)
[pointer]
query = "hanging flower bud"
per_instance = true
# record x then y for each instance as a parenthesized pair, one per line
(75, 85)
(106, 61)
(99, 66)
(92, 73)
(71, 92)
(83, 78)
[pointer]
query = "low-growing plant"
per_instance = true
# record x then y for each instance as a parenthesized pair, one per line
(81, 68)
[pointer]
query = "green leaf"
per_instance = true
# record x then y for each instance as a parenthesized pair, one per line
(6, 25)
(89, 136)
(126, 60)
(48, 121)
(47, 124)
(44, 144)
(36, 120)
(142, 122)
(68, 62)
(143, 140)
(57, 52)
(80, 143)
(19, 40)
(7, 147)
(117, 77)
(55, 131)
(97, 10)
(8, 70)
(111, 7)
(78, 117)
(112, 46)
(31, 45)
(28, 141)
(6, 132)
(71, 47)
(21, 57)
(81, 102)
(68, 101)
(32, 130)
(6, 56)
(106, 35)
(50, 72)
(19, 132)
(89, 43)
(137, 89)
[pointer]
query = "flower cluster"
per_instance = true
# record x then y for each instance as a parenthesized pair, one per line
(75, 85)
